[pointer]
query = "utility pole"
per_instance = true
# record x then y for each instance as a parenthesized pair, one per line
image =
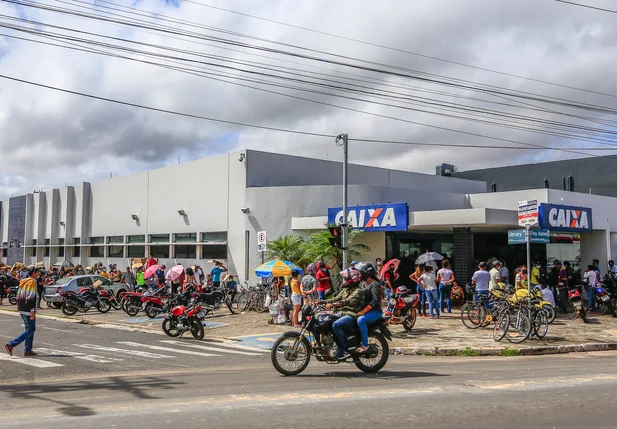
(342, 140)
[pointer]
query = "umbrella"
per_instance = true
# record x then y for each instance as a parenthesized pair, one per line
(277, 268)
(174, 273)
(428, 257)
(151, 271)
(137, 265)
(396, 263)
(67, 264)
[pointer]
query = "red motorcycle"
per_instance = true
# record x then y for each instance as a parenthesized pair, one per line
(86, 299)
(153, 305)
(402, 308)
(131, 302)
(574, 295)
(182, 319)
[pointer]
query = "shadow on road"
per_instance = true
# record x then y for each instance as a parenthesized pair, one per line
(381, 374)
(140, 388)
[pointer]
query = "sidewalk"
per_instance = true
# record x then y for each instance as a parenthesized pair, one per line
(429, 336)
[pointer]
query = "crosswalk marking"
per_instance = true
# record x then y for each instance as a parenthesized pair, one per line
(166, 349)
(215, 349)
(124, 351)
(38, 363)
(77, 355)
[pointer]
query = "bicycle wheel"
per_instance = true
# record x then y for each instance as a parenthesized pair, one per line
(260, 303)
(519, 327)
(473, 316)
(501, 326)
(243, 302)
(540, 323)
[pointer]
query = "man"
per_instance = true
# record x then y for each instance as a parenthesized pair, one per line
(104, 273)
(26, 305)
(309, 282)
(481, 279)
(596, 264)
(216, 274)
(232, 286)
(611, 267)
(129, 278)
(350, 302)
(495, 275)
(562, 286)
(535, 276)
(150, 261)
(160, 275)
(323, 280)
(504, 273)
(590, 277)
(115, 275)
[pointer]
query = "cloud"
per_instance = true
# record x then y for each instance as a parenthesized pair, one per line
(49, 138)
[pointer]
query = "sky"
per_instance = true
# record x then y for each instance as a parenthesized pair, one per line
(49, 138)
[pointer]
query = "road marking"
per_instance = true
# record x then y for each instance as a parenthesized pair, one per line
(239, 347)
(38, 363)
(60, 330)
(125, 351)
(77, 355)
(213, 349)
(165, 349)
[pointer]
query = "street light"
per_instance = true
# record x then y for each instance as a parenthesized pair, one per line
(181, 212)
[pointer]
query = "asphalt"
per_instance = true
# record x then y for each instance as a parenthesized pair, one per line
(230, 391)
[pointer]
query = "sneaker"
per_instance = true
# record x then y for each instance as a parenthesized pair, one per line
(30, 353)
(9, 349)
(343, 356)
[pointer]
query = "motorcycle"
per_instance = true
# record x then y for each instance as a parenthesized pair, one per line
(182, 319)
(155, 304)
(131, 302)
(604, 301)
(292, 351)
(402, 308)
(574, 295)
(84, 301)
(12, 296)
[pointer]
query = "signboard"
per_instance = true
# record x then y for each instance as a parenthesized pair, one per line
(376, 217)
(539, 236)
(261, 241)
(528, 213)
(555, 217)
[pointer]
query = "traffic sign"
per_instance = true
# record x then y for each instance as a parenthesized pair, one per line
(261, 241)
(539, 236)
(528, 213)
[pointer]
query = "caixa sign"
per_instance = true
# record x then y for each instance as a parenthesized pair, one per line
(377, 217)
(565, 218)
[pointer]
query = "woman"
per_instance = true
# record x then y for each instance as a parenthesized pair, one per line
(141, 282)
(191, 280)
(445, 278)
(296, 297)
(415, 277)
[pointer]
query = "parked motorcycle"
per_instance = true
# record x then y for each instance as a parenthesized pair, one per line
(292, 352)
(402, 308)
(13, 295)
(183, 319)
(604, 301)
(155, 304)
(85, 300)
(580, 310)
(131, 302)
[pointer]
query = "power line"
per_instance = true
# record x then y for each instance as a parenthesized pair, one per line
(583, 5)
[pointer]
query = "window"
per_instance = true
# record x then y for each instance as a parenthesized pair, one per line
(214, 237)
(61, 248)
(31, 251)
(97, 240)
(97, 252)
(136, 239)
(76, 252)
(214, 252)
(137, 251)
(159, 251)
(33, 241)
(4, 250)
(84, 281)
(102, 280)
(115, 252)
(77, 241)
(159, 238)
(46, 251)
(188, 237)
(185, 251)
(115, 239)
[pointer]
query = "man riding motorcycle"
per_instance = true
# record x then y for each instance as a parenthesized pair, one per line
(349, 302)
(372, 295)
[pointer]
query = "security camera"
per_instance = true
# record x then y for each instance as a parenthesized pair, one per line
(134, 217)
(242, 157)
(62, 223)
(181, 212)
(246, 210)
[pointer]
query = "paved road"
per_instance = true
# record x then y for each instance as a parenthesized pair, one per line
(237, 390)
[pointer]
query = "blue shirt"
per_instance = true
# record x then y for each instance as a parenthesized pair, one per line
(614, 269)
(231, 284)
(216, 274)
(482, 279)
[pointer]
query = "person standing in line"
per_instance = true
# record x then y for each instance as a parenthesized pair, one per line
(495, 276)
(504, 274)
(323, 280)
(427, 280)
(309, 282)
(445, 278)
(611, 267)
(26, 305)
(141, 281)
(150, 261)
(216, 274)
(160, 275)
(481, 279)
(535, 276)
(591, 279)
(562, 286)
(128, 278)
(415, 277)
(389, 278)
(296, 297)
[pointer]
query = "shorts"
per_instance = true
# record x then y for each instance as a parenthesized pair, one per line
(296, 299)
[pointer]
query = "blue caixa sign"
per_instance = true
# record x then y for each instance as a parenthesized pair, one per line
(556, 217)
(376, 217)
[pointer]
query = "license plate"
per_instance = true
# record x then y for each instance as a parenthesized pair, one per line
(577, 305)
(604, 298)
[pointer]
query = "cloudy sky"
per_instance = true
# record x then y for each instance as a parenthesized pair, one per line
(186, 57)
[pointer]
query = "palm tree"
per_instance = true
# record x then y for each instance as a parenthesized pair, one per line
(287, 248)
(318, 246)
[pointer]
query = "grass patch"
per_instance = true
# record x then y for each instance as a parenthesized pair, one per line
(468, 352)
(509, 352)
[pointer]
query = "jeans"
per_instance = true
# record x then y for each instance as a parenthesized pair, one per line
(591, 298)
(388, 294)
(321, 294)
(345, 323)
(27, 335)
(433, 303)
(364, 321)
(444, 291)
(480, 293)
(564, 302)
(422, 294)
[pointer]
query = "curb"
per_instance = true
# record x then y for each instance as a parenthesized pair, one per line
(503, 351)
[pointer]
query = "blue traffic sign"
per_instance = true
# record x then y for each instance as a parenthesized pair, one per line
(538, 236)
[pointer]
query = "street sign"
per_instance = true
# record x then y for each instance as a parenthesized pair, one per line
(261, 241)
(538, 236)
(528, 213)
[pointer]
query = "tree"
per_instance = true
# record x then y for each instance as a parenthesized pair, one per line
(318, 246)
(287, 248)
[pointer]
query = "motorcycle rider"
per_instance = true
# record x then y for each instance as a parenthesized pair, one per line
(372, 295)
(350, 301)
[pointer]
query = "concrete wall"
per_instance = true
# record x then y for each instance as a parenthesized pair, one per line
(16, 228)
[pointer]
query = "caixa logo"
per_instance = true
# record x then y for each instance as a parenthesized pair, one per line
(377, 217)
(565, 218)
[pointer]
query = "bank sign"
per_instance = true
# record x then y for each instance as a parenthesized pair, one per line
(565, 218)
(377, 217)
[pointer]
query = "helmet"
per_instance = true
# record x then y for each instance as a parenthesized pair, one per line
(402, 290)
(311, 269)
(367, 269)
(350, 277)
(354, 263)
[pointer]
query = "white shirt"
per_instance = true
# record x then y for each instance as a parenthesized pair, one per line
(495, 278)
(428, 280)
(547, 295)
(591, 276)
(445, 274)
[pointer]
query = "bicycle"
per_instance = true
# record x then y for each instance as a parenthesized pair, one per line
(255, 299)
